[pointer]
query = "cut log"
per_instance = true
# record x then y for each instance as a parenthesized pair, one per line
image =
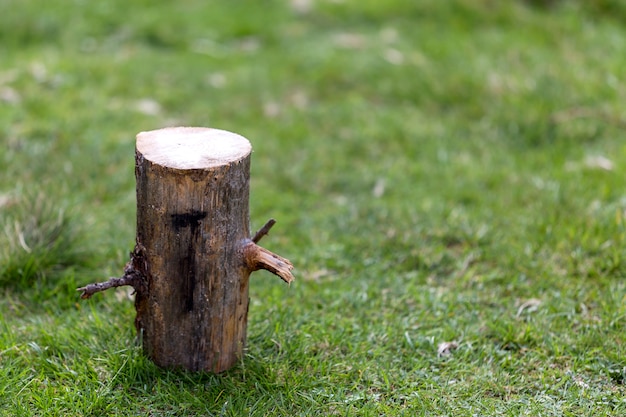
(194, 252)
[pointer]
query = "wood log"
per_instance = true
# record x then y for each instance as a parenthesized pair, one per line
(194, 253)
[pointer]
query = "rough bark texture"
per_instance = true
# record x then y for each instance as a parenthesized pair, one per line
(193, 240)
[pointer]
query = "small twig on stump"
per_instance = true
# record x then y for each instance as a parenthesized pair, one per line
(257, 258)
(91, 289)
(263, 230)
(134, 273)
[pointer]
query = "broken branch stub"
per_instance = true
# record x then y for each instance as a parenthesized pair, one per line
(194, 254)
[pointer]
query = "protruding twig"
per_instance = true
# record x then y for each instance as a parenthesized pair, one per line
(263, 230)
(91, 289)
(260, 258)
(134, 275)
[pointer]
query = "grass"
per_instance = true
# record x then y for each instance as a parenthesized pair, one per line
(440, 172)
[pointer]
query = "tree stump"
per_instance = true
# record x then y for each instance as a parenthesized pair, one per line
(194, 253)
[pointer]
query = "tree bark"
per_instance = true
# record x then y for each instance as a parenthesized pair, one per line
(194, 254)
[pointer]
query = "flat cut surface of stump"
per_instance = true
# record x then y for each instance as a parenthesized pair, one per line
(192, 147)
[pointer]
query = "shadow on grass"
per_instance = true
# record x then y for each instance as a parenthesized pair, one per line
(251, 385)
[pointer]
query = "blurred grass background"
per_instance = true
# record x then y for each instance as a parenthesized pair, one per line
(441, 172)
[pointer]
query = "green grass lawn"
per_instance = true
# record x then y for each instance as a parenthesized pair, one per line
(447, 176)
